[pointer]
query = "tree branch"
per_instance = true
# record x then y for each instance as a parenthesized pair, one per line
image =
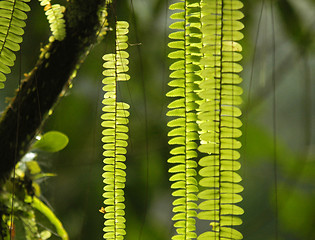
(46, 83)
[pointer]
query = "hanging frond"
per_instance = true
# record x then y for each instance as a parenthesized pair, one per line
(12, 22)
(186, 44)
(115, 136)
(54, 14)
(218, 118)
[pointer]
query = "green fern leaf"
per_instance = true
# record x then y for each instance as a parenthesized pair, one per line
(12, 22)
(115, 136)
(184, 79)
(54, 14)
(218, 118)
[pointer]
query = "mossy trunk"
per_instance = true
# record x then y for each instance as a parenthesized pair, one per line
(47, 82)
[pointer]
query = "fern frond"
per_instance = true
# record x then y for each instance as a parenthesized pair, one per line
(54, 14)
(115, 136)
(218, 118)
(12, 22)
(186, 52)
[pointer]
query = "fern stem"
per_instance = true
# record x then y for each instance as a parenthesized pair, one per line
(220, 105)
(185, 116)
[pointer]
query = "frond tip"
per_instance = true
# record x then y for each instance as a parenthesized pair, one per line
(115, 136)
(54, 14)
(12, 22)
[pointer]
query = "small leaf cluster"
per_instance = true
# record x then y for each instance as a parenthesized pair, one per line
(25, 186)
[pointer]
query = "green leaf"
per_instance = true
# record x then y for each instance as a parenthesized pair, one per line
(45, 235)
(33, 167)
(42, 208)
(52, 141)
(177, 44)
(178, 5)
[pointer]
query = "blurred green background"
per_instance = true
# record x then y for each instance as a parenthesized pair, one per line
(76, 193)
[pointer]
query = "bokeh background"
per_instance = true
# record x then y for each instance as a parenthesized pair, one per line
(278, 45)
